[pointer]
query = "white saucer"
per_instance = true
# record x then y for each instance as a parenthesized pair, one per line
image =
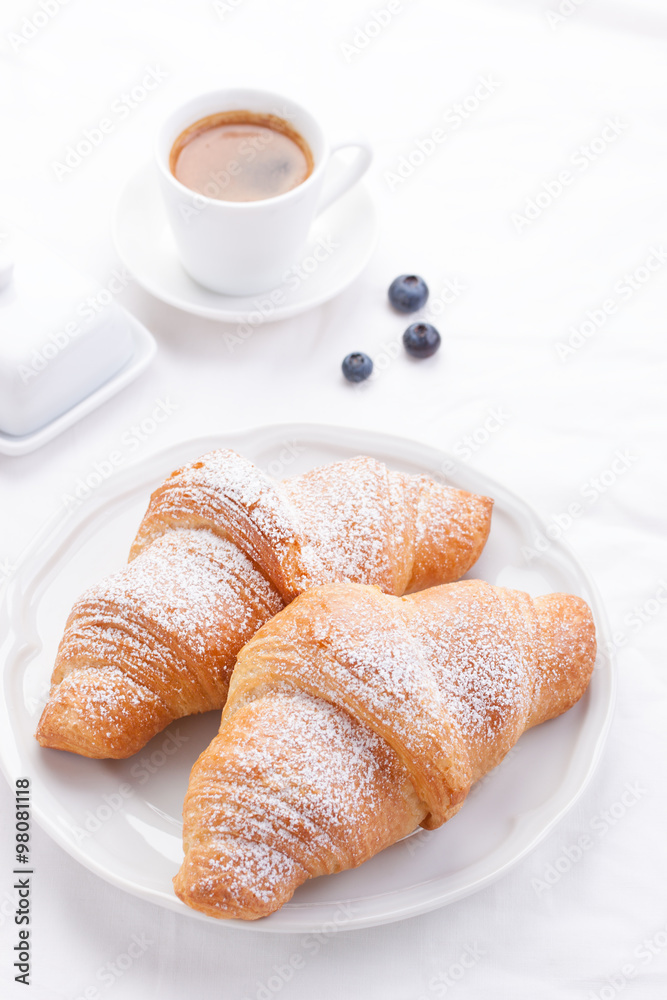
(144, 351)
(146, 246)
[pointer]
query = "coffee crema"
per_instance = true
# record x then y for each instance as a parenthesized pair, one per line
(241, 156)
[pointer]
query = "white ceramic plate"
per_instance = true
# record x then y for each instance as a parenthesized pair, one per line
(144, 351)
(122, 819)
(346, 235)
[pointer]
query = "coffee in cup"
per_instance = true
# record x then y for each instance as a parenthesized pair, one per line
(241, 156)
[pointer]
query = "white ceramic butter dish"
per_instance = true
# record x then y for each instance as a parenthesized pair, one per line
(65, 345)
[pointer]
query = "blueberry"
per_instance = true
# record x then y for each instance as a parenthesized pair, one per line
(357, 367)
(408, 293)
(421, 340)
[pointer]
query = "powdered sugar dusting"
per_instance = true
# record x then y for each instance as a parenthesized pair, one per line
(482, 657)
(315, 813)
(184, 579)
(231, 483)
(249, 870)
(348, 511)
(172, 620)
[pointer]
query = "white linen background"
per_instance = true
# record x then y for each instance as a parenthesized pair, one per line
(566, 420)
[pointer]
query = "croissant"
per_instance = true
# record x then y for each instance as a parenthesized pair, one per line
(353, 717)
(221, 549)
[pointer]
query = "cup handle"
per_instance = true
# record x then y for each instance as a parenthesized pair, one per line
(349, 175)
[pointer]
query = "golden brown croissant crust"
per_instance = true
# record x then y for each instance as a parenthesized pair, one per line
(354, 716)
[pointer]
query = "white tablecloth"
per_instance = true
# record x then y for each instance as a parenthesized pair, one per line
(547, 204)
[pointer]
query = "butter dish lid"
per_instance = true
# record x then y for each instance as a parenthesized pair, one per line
(62, 335)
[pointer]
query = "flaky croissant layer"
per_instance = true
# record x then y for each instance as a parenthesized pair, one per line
(354, 716)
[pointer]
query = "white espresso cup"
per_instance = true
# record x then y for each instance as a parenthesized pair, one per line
(244, 247)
